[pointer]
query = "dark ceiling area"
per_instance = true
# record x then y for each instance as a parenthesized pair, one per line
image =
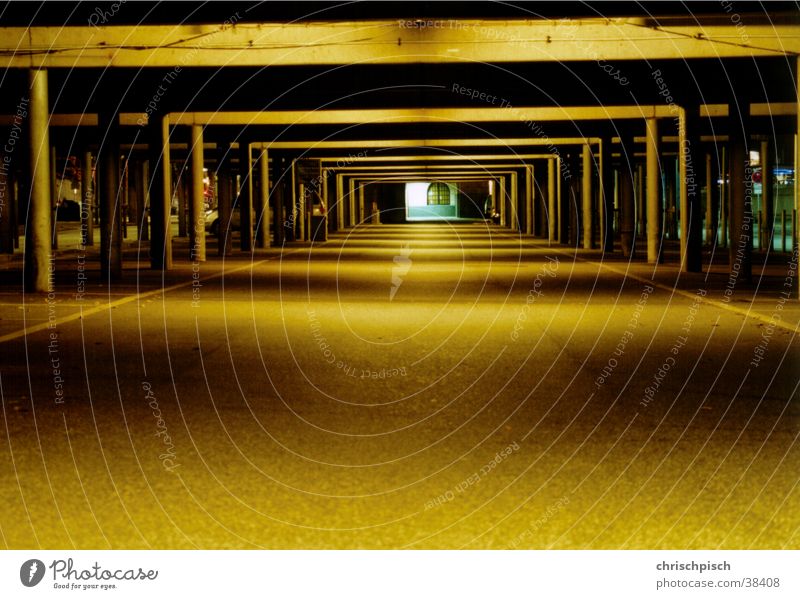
(132, 13)
(416, 86)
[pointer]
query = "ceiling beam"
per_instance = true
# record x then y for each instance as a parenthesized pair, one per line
(413, 115)
(431, 158)
(423, 143)
(401, 169)
(237, 42)
(372, 116)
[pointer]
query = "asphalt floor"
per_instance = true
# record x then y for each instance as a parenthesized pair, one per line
(417, 386)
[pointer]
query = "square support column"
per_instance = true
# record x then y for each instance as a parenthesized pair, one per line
(351, 201)
(691, 212)
(586, 199)
(279, 182)
(724, 197)
(654, 202)
(514, 202)
(551, 200)
(711, 209)
(339, 203)
(246, 196)
(225, 183)
(362, 217)
(530, 201)
(197, 215)
(38, 250)
(263, 223)
(160, 195)
(503, 201)
(87, 200)
(110, 199)
(741, 198)
(606, 182)
(325, 203)
(627, 201)
(767, 210)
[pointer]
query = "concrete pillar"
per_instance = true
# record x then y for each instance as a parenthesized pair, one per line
(741, 189)
(351, 202)
(606, 182)
(530, 201)
(575, 209)
(539, 201)
(562, 203)
(627, 201)
(339, 203)
(796, 212)
(295, 213)
(503, 200)
(640, 202)
(691, 211)
(724, 199)
(38, 250)
(541, 184)
(654, 204)
(245, 199)
(513, 203)
(551, 200)
(8, 224)
(87, 199)
(125, 189)
(262, 216)
(670, 208)
(616, 220)
(110, 199)
(134, 188)
(225, 184)
(362, 218)
(586, 199)
(279, 181)
(711, 229)
(767, 209)
(325, 204)
(225, 195)
(302, 216)
(197, 217)
(566, 212)
(54, 197)
(160, 194)
(145, 177)
(182, 194)
(257, 199)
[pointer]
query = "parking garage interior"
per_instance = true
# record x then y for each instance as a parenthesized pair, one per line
(399, 275)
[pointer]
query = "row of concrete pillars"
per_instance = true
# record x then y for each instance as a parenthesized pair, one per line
(577, 201)
(572, 204)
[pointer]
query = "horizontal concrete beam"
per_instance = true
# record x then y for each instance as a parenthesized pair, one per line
(432, 158)
(237, 42)
(415, 115)
(86, 119)
(370, 116)
(428, 176)
(424, 143)
(425, 168)
(759, 109)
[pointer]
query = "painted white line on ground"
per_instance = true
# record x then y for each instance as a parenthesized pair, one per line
(794, 328)
(125, 300)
